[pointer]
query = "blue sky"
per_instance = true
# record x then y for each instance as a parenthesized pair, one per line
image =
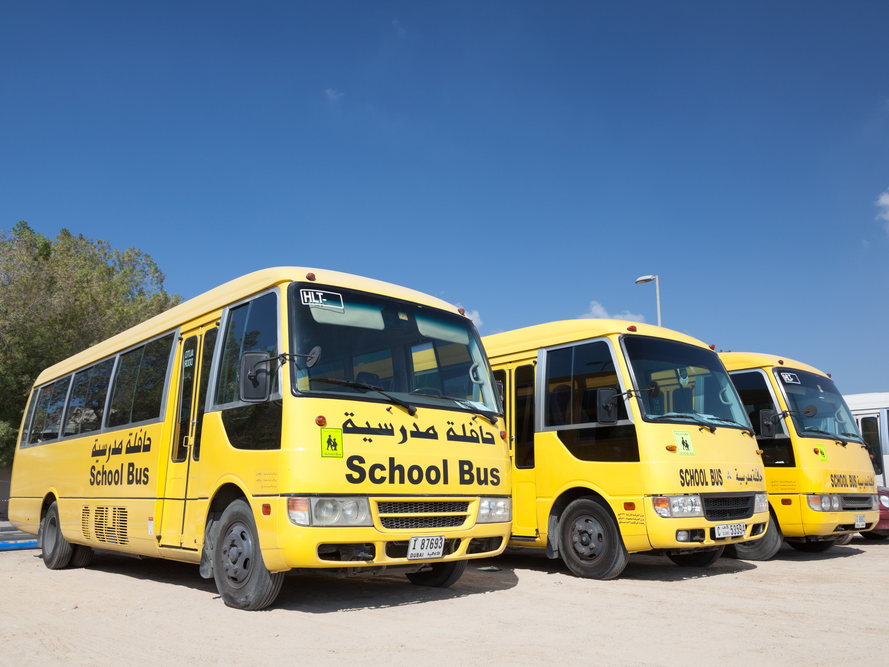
(526, 160)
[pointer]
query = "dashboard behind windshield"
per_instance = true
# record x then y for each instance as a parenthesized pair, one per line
(693, 383)
(417, 354)
(833, 418)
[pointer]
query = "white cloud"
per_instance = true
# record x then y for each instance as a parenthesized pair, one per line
(333, 95)
(883, 203)
(474, 316)
(597, 311)
(398, 27)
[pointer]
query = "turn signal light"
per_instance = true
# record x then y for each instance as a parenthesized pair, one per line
(786, 501)
(671, 448)
(629, 506)
(266, 509)
(503, 435)
(321, 420)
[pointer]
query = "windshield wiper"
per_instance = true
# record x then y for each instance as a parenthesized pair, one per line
(827, 433)
(744, 429)
(684, 415)
(492, 417)
(411, 410)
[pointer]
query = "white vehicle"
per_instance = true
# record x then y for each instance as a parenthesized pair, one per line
(872, 414)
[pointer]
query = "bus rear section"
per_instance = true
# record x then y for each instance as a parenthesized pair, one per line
(625, 438)
(819, 474)
(286, 421)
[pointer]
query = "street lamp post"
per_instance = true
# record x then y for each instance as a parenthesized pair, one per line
(657, 288)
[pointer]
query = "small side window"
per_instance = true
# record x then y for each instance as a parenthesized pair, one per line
(251, 327)
(573, 377)
(26, 426)
(523, 402)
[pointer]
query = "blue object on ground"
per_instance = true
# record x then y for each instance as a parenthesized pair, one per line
(18, 546)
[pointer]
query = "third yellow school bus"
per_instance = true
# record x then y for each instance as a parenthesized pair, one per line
(290, 419)
(625, 438)
(819, 474)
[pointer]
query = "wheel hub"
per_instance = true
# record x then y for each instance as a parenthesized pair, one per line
(588, 538)
(237, 554)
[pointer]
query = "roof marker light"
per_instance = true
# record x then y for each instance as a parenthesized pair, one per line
(712, 347)
(310, 276)
(462, 311)
(781, 361)
(632, 327)
(829, 375)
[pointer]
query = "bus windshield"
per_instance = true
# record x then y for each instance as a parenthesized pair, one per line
(833, 417)
(410, 353)
(694, 386)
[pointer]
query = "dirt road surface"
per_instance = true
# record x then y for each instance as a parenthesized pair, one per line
(798, 609)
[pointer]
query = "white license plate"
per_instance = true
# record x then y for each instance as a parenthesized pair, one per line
(730, 530)
(859, 521)
(425, 547)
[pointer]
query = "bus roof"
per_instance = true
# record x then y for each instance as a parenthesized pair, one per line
(231, 292)
(566, 331)
(735, 361)
(868, 401)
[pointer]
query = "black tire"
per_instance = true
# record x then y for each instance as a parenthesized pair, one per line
(441, 575)
(700, 558)
(762, 549)
(240, 573)
(82, 556)
(875, 534)
(813, 547)
(590, 542)
(57, 551)
(845, 539)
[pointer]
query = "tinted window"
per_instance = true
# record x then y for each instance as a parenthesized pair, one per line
(26, 427)
(186, 391)
(573, 377)
(48, 413)
(139, 384)
(251, 327)
(870, 431)
(87, 403)
(755, 396)
(206, 360)
(524, 417)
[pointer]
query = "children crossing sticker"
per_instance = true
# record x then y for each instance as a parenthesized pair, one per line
(683, 443)
(332, 443)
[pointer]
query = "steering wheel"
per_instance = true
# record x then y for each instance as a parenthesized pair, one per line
(426, 391)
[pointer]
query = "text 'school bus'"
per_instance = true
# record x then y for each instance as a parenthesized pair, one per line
(818, 470)
(625, 438)
(289, 419)
(871, 412)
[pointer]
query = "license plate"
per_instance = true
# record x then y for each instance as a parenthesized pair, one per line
(859, 521)
(425, 547)
(730, 530)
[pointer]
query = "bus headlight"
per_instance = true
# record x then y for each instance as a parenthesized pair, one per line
(824, 503)
(678, 506)
(761, 504)
(349, 511)
(494, 510)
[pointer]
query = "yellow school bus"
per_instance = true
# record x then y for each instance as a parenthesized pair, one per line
(290, 419)
(819, 475)
(625, 437)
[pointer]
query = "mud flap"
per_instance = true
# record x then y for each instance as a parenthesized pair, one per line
(552, 536)
(206, 569)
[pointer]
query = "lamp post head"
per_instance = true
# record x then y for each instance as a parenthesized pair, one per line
(645, 279)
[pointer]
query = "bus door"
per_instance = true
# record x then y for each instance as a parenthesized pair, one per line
(524, 473)
(870, 427)
(181, 491)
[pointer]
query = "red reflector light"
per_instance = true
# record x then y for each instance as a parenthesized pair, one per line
(266, 509)
(321, 420)
(503, 435)
(462, 311)
(712, 347)
(781, 361)
(629, 506)
(786, 501)
(632, 327)
(816, 450)
(310, 276)
(829, 375)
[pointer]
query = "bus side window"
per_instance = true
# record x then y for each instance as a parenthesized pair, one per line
(574, 376)
(49, 411)
(870, 431)
(87, 403)
(523, 401)
(206, 361)
(500, 376)
(777, 452)
(26, 427)
(139, 383)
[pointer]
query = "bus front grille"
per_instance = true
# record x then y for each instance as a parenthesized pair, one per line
(413, 522)
(724, 507)
(422, 507)
(857, 502)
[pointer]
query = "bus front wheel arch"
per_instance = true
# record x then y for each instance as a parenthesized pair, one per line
(590, 542)
(242, 579)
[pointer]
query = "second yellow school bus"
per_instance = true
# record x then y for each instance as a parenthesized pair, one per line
(625, 438)
(819, 474)
(290, 419)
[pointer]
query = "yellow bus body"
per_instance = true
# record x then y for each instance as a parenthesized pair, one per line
(821, 464)
(123, 489)
(721, 461)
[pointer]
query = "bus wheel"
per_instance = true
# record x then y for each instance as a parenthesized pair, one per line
(57, 551)
(762, 549)
(701, 558)
(82, 556)
(441, 575)
(813, 547)
(875, 534)
(590, 542)
(241, 576)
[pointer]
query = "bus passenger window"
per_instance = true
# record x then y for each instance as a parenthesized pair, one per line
(139, 384)
(870, 431)
(87, 403)
(48, 415)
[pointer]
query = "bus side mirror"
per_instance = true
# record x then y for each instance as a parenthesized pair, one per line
(767, 423)
(255, 372)
(606, 406)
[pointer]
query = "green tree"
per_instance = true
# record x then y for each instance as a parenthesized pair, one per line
(58, 297)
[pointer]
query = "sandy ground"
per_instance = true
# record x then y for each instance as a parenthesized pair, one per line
(798, 609)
